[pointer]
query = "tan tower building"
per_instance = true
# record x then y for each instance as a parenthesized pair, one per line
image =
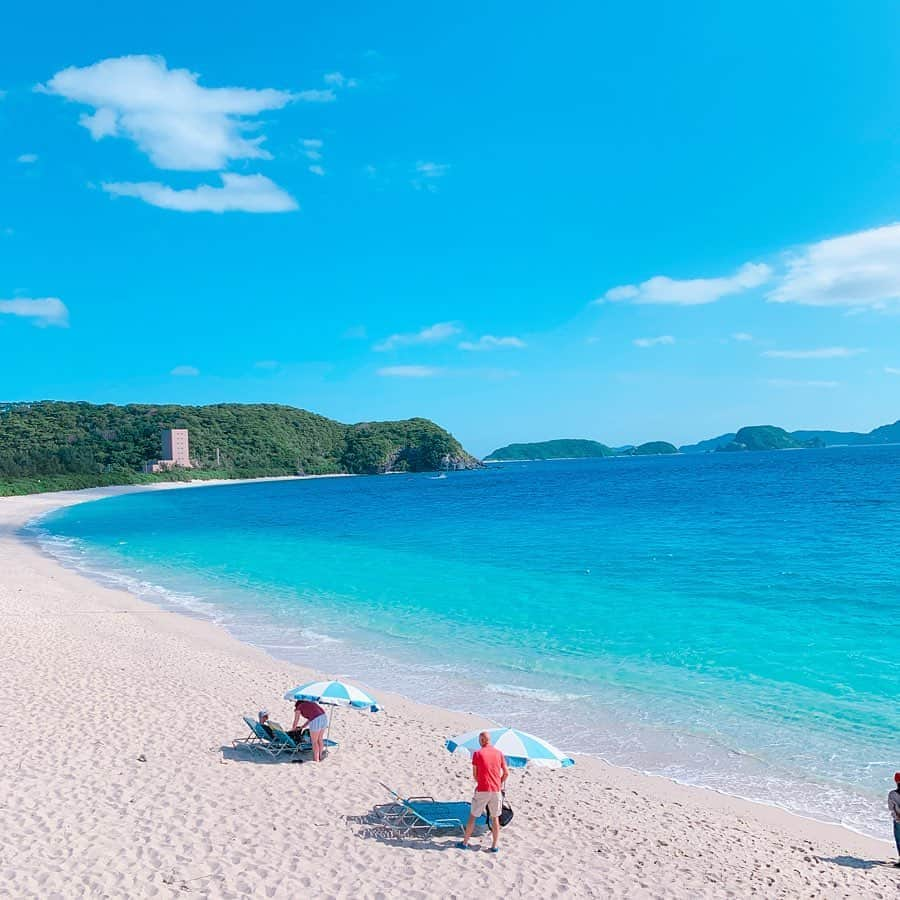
(176, 451)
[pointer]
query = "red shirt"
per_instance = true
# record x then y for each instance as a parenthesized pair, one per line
(309, 710)
(488, 763)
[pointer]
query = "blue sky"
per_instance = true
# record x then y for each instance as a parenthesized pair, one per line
(625, 222)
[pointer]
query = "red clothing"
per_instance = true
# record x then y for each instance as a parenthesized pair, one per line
(488, 762)
(309, 710)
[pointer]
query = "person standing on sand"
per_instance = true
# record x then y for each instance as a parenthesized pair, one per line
(490, 773)
(894, 807)
(316, 721)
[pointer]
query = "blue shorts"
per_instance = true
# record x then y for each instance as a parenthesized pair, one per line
(319, 723)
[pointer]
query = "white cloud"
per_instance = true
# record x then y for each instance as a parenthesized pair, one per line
(42, 311)
(742, 336)
(654, 341)
(338, 79)
(312, 148)
(432, 169)
(857, 270)
(427, 175)
(489, 342)
(818, 353)
(789, 383)
(317, 96)
(408, 372)
(691, 291)
(890, 370)
(171, 118)
(430, 335)
(623, 292)
(266, 364)
(103, 123)
(185, 370)
(239, 193)
(317, 170)
(27, 158)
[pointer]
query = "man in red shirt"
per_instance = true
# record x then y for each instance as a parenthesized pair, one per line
(490, 773)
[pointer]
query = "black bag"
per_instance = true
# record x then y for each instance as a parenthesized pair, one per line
(506, 813)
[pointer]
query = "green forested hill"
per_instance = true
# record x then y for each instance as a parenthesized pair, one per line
(563, 448)
(766, 437)
(652, 448)
(53, 445)
(709, 445)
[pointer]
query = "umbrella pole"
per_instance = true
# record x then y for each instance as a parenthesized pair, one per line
(328, 733)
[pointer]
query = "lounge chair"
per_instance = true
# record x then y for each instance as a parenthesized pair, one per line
(424, 815)
(284, 743)
(259, 738)
(258, 735)
(276, 744)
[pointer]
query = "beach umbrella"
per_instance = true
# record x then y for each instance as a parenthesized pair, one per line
(333, 693)
(520, 748)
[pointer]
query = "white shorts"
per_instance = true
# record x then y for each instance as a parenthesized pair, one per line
(487, 800)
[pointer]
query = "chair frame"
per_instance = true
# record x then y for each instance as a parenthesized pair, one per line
(280, 742)
(254, 739)
(406, 821)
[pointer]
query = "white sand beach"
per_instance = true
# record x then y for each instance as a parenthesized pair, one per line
(115, 783)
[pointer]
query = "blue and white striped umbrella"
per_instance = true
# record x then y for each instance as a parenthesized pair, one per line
(333, 693)
(519, 748)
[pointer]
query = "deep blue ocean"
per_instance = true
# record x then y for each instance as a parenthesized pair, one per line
(729, 620)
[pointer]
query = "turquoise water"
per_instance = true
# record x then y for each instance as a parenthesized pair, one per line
(726, 620)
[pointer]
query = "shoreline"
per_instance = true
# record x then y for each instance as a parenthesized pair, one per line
(31, 572)
(119, 580)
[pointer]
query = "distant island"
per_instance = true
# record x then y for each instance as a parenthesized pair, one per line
(767, 437)
(569, 448)
(710, 445)
(751, 438)
(559, 449)
(49, 445)
(651, 448)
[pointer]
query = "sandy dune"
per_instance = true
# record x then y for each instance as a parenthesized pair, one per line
(114, 781)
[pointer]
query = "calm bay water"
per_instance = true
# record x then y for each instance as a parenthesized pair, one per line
(726, 620)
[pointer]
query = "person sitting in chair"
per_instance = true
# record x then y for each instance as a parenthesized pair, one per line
(296, 734)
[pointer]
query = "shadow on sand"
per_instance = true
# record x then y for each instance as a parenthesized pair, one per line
(246, 755)
(375, 825)
(854, 862)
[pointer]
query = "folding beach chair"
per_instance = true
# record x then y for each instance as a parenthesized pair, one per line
(282, 742)
(256, 739)
(274, 744)
(425, 815)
